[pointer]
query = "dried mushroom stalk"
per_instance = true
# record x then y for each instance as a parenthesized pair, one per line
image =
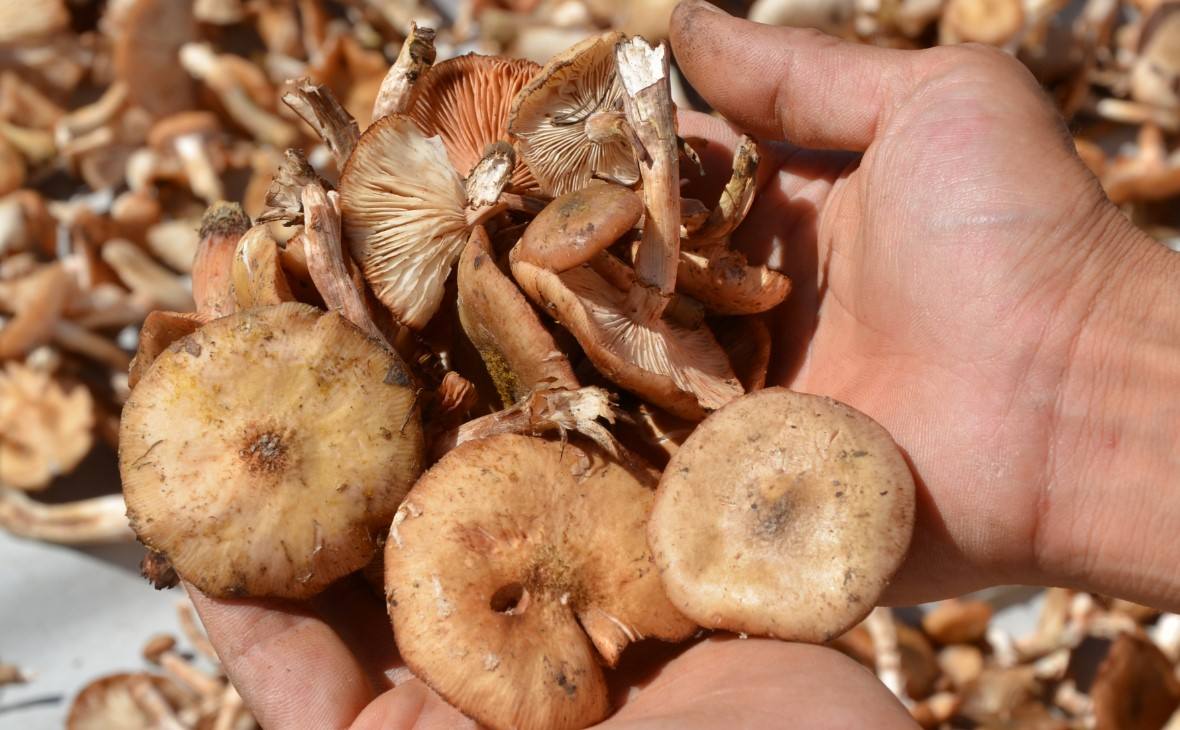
(400, 84)
(317, 106)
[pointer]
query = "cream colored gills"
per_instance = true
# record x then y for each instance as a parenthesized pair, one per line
(264, 453)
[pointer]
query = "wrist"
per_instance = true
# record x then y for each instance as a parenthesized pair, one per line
(1110, 500)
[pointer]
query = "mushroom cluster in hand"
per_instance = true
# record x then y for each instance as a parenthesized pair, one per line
(463, 370)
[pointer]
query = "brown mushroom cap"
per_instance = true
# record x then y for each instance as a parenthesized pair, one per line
(783, 514)
(146, 54)
(46, 428)
(1135, 686)
(994, 22)
(491, 604)
(402, 205)
(116, 701)
(550, 117)
(160, 329)
(578, 225)
(253, 490)
(466, 101)
(725, 282)
(519, 353)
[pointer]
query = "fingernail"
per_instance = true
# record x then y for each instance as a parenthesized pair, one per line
(695, 5)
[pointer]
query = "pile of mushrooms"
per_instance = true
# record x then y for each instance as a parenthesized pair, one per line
(1090, 663)
(424, 378)
(181, 690)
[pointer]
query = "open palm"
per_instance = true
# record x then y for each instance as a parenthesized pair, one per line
(944, 267)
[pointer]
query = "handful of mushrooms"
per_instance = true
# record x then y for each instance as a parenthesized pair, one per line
(362, 405)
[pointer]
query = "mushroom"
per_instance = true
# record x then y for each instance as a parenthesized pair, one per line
(569, 121)
(222, 226)
(257, 273)
(501, 610)
(97, 520)
(466, 102)
(713, 273)
(955, 621)
(145, 278)
(138, 701)
(1136, 686)
(224, 77)
(23, 22)
(46, 426)
(242, 488)
(1155, 76)
(317, 105)
(407, 215)
(519, 353)
(399, 88)
(995, 22)
(146, 50)
(187, 136)
(159, 331)
(175, 242)
(747, 344)
(680, 369)
(783, 514)
(38, 300)
(161, 651)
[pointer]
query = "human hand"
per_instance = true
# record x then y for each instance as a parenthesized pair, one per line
(966, 283)
(948, 282)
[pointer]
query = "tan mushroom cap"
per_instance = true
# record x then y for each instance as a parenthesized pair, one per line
(578, 225)
(31, 21)
(125, 701)
(519, 353)
(250, 489)
(994, 22)
(402, 206)
(784, 514)
(46, 427)
(494, 583)
(550, 117)
(466, 101)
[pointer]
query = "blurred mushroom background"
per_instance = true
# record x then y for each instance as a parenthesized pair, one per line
(122, 120)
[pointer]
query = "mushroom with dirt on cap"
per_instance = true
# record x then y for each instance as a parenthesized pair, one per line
(783, 514)
(242, 486)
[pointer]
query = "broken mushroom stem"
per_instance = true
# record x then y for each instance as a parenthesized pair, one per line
(486, 183)
(647, 103)
(326, 264)
(544, 411)
(399, 87)
(318, 106)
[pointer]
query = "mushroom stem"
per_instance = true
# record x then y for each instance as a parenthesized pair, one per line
(643, 71)
(736, 198)
(155, 705)
(883, 632)
(222, 225)
(187, 618)
(202, 63)
(318, 106)
(487, 181)
(543, 410)
(12, 674)
(232, 712)
(325, 261)
(161, 650)
(75, 338)
(146, 278)
(523, 203)
(399, 87)
(199, 168)
(97, 520)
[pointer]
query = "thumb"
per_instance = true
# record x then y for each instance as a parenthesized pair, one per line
(790, 83)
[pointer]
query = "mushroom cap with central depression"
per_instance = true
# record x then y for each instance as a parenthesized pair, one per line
(265, 453)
